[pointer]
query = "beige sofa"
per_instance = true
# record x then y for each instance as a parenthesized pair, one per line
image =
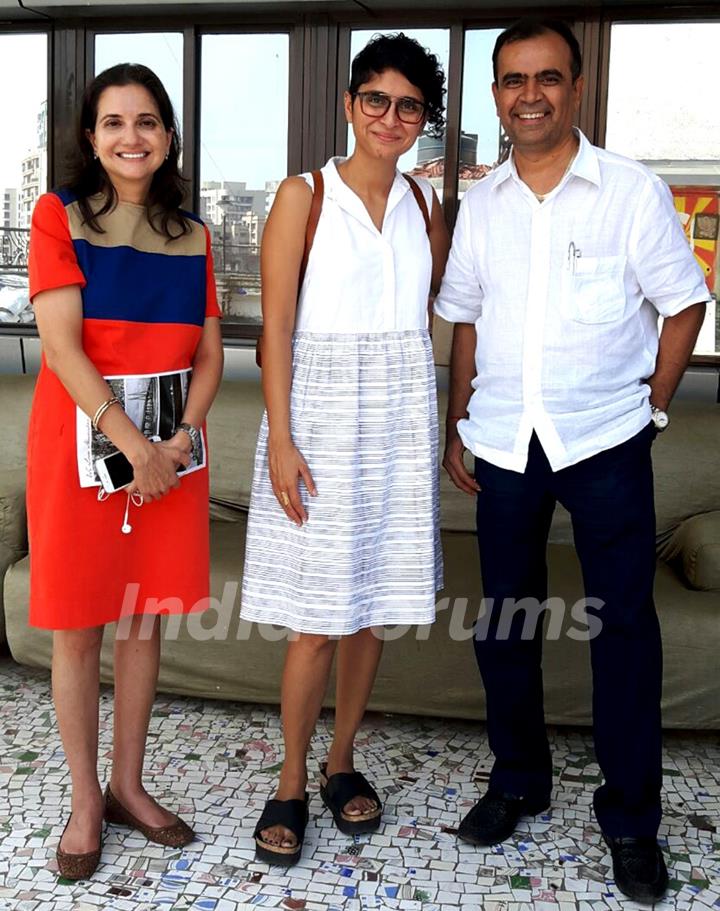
(430, 671)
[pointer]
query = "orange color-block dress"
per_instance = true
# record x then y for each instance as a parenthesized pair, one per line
(144, 304)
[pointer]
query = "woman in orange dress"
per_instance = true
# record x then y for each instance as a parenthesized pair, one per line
(122, 285)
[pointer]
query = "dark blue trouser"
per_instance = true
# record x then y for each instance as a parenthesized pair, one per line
(610, 500)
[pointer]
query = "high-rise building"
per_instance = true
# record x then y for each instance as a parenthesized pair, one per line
(8, 208)
(229, 199)
(34, 171)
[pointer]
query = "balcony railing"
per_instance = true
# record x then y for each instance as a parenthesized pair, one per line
(14, 299)
(14, 244)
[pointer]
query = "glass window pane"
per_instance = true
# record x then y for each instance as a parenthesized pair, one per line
(244, 156)
(666, 115)
(426, 152)
(480, 136)
(23, 163)
(162, 52)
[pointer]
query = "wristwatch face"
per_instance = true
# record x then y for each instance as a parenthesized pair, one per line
(660, 419)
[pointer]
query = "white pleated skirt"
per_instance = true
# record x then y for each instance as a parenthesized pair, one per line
(364, 416)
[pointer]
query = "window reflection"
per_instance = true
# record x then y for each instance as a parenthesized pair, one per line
(244, 156)
(23, 163)
(670, 120)
(427, 156)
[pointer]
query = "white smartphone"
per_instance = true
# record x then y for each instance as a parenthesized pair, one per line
(115, 471)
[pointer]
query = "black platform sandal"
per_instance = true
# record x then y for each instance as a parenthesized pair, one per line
(292, 815)
(342, 787)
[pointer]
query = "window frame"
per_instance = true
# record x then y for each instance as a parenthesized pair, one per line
(319, 61)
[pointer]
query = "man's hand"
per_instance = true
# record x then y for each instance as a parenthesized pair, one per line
(453, 461)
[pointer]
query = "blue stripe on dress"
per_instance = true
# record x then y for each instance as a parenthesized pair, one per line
(127, 284)
(65, 195)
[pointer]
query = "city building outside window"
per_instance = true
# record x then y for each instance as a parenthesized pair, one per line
(23, 163)
(243, 158)
(665, 113)
(482, 143)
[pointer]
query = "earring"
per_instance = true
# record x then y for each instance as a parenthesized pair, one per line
(95, 154)
(167, 155)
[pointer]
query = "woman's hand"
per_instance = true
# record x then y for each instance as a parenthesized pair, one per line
(181, 440)
(155, 469)
(286, 465)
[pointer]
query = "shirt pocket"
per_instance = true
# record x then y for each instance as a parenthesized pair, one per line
(595, 288)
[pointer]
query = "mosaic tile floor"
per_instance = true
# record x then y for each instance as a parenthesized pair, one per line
(217, 762)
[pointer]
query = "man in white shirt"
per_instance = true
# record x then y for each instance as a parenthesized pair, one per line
(562, 259)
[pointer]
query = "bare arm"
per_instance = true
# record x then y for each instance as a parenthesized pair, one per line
(677, 340)
(283, 244)
(59, 319)
(462, 373)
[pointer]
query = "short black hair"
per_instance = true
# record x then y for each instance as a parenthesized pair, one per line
(533, 28)
(417, 64)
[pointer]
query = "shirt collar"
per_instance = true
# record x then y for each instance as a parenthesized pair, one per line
(347, 199)
(585, 165)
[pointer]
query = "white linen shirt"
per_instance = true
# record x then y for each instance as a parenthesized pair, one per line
(565, 297)
(359, 279)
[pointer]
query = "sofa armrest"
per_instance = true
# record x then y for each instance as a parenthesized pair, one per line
(13, 520)
(695, 548)
(13, 528)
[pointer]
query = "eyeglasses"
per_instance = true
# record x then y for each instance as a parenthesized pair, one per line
(377, 104)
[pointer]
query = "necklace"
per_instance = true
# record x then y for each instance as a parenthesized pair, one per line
(541, 197)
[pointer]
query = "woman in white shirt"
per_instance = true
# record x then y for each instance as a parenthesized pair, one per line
(343, 528)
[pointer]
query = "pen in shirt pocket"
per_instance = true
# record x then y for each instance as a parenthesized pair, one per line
(573, 255)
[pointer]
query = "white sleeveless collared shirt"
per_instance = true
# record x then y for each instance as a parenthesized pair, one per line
(359, 279)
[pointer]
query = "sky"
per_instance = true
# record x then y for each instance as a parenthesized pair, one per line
(662, 102)
(23, 66)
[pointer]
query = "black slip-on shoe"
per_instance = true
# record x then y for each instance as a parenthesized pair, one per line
(639, 868)
(495, 816)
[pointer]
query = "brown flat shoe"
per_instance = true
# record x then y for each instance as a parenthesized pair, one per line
(77, 866)
(176, 835)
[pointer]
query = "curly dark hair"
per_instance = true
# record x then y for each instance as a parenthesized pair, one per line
(86, 177)
(416, 63)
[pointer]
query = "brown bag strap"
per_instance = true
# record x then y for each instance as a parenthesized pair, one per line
(420, 200)
(312, 222)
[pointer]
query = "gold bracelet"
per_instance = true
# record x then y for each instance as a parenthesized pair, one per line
(108, 403)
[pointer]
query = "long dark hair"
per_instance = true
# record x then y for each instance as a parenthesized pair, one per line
(86, 177)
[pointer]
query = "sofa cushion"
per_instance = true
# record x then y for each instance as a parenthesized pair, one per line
(15, 397)
(694, 548)
(693, 434)
(233, 425)
(425, 671)
(13, 524)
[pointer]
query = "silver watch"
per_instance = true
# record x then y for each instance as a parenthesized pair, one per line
(192, 432)
(659, 418)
